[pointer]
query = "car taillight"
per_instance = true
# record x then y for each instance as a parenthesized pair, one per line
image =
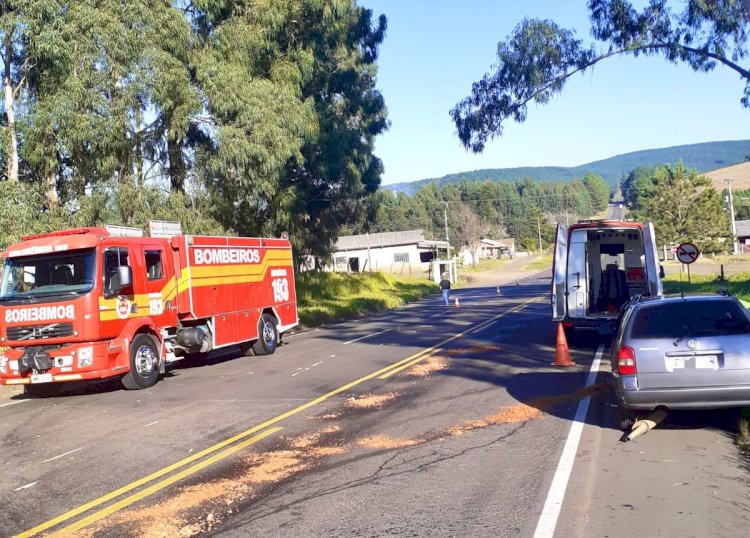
(626, 361)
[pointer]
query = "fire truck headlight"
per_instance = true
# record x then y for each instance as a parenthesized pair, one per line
(85, 357)
(3, 364)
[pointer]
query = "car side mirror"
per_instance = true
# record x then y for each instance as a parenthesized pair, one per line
(661, 271)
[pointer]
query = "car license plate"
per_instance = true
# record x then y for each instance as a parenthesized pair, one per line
(41, 378)
(678, 363)
(710, 362)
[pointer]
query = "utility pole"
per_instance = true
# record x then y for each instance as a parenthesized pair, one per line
(731, 215)
(539, 231)
(445, 219)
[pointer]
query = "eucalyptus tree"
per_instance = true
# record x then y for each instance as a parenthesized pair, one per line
(539, 57)
(13, 41)
(291, 111)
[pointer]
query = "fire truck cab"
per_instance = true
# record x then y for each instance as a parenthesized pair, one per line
(101, 302)
(597, 267)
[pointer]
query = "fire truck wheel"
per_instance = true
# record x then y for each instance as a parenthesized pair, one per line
(268, 336)
(144, 363)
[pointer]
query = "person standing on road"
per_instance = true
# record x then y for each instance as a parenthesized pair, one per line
(445, 287)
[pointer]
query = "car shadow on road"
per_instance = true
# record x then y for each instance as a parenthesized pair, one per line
(523, 370)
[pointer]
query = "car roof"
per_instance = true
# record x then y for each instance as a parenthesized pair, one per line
(674, 298)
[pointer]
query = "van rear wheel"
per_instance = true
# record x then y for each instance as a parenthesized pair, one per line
(144, 364)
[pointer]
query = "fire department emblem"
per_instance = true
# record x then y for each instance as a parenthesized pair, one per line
(123, 308)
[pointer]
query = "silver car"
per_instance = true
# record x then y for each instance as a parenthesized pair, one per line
(690, 352)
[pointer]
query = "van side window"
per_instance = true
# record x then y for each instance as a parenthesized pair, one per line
(113, 258)
(154, 268)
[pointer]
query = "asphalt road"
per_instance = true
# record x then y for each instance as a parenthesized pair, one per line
(616, 212)
(428, 420)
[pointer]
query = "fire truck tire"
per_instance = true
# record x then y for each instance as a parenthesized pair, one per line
(144, 363)
(268, 336)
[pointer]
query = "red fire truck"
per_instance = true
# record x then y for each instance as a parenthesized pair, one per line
(92, 303)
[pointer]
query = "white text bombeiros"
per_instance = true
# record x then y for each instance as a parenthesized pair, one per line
(213, 256)
(39, 313)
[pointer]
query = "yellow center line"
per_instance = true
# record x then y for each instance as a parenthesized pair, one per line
(416, 357)
(127, 501)
(433, 350)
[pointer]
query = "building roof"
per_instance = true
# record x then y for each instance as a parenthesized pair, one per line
(428, 243)
(500, 243)
(743, 228)
(386, 239)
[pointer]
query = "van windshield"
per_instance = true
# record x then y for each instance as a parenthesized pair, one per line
(31, 278)
(690, 318)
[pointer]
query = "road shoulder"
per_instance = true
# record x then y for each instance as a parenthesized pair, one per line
(685, 478)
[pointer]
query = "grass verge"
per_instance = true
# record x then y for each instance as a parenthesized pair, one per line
(483, 265)
(742, 439)
(327, 297)
(542, 262)
(738, 284)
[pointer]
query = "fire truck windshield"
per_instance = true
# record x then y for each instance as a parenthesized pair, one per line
(41, 278)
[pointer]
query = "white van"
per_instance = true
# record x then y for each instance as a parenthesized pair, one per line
(598, 266)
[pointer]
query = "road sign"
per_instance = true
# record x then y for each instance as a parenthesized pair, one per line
(674, 249)
(687, 253)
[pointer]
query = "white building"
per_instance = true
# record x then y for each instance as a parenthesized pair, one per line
(489, 248)
(406, 252)
(498, 248)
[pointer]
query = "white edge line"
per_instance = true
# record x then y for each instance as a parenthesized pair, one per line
(151, 423)
(366, 336)
(63, 455)
(13, 403)
(548, 519)
(26, 486)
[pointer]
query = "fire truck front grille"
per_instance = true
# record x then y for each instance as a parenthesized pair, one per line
(39, 332)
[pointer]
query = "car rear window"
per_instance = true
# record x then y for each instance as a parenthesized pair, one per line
(690, 318)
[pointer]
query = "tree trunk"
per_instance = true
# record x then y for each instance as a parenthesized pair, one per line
(53, 199)
(177, 169)
(10, 112)
(138, 146)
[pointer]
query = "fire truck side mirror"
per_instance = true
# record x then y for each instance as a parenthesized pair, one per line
(125, 276)
(120, 280)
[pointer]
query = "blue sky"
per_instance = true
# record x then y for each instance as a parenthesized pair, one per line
(435, 49)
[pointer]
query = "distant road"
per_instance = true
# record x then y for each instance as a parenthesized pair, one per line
(615, 212)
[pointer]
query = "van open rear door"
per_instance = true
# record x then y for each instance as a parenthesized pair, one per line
(559, 273)
(652, 260)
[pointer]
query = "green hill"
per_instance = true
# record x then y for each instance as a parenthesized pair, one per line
(703, 157)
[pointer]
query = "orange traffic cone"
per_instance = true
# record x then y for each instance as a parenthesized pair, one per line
(458, 305)
(562, 353)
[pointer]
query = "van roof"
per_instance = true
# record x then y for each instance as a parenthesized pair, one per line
(593, 224)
